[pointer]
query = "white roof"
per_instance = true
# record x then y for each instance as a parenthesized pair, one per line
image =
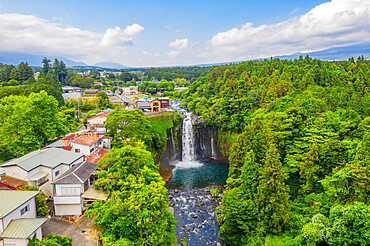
(51, 157)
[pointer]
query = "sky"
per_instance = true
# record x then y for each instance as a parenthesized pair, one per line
(179, 32)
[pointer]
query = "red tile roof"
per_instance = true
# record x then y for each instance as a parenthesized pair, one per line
(11, 182)
(87, 139)
(96, 155)
(105, 114)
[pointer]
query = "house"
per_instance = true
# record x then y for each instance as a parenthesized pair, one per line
(68, 89)
(18, 221)
(144, 106)
(69, 187)
(68, 96)
(165, 102)
(91, 92)
(155, 105)
(86, 143)
(10, 183)
(41, 167)
(97, 120)
(131, 90)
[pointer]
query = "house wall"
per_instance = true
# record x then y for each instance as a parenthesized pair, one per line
(97, 120)
(16, 172)
(84, 149)
(15, 242)
(16, 214)
(68, 205)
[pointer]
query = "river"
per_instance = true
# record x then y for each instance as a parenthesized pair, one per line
(194, 206)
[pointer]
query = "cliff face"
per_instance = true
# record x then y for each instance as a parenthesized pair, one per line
(210, 144)
(172, 153)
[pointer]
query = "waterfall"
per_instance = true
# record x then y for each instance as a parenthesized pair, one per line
(173, 143)
(213, 152)
(188, 150)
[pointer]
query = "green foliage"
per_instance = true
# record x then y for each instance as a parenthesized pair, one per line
(172, 73)
(126, 124)
(51, 240)
(27, 123)
(301, 144)
(74, 79)
(136, 213)
(346, 225)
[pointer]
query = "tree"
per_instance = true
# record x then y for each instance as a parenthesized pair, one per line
(94, 74)
(126, 124)
(103, 100)
(28, 122)
(46, 66)
(50, 240)
(346, 225)
(137, 211)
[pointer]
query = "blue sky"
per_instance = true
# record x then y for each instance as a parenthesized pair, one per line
(179, 32)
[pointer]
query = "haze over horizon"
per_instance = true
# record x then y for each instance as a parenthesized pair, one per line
(146, 33)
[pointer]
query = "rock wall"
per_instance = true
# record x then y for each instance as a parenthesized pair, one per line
(209, 145)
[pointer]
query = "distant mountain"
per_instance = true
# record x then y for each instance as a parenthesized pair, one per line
(32, 60)
(110, 65)
(336, 53)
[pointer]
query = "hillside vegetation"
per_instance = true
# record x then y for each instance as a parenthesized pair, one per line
(299, 166)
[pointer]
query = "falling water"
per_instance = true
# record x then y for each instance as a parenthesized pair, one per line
(173, 147)
(188, 153)
(212, 146)
(194, 206)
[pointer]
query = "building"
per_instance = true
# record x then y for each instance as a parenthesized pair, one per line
(18, 221)
(91, 92)
(69, 187)
(86, 143)
(131, 90)
(165, 102)
(144, 106)
(68, 89)
(41, 167)
(97, 120)
(155, 105)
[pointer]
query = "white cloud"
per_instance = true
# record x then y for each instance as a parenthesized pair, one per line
(30, 34)
(335, 23)
(180, 44)
(117, 36)
(56, 18)
(146, 53)
(173, 53)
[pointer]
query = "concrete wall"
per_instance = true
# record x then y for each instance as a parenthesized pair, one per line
(15, 242)
(16, 172)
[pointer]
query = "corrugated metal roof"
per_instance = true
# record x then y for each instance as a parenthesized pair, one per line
(78, 174)
(94, 194)
(22, 228)
(59, 144)
(12, 199)
(51, 158)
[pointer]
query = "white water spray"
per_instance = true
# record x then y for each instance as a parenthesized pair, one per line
(213, 152)
(188, 151)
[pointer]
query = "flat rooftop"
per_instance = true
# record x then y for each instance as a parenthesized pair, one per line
(87, 139)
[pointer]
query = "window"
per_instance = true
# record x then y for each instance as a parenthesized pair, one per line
(56, 173)
(25, 209)
(77, 150)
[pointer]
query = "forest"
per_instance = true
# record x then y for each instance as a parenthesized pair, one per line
(171, 73)
(299, 161)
